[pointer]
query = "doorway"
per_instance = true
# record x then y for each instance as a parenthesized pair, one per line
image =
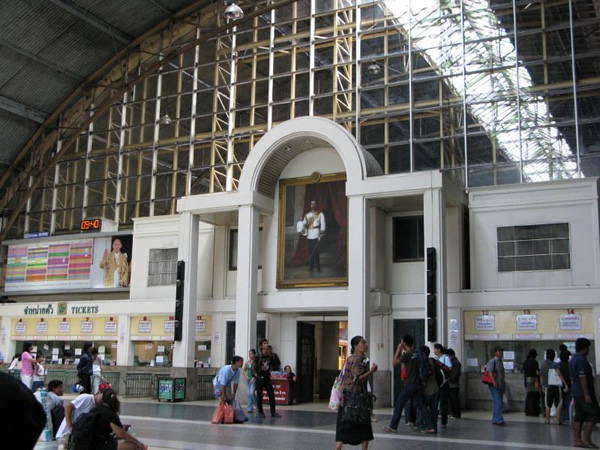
(414, 327)
(305, 358)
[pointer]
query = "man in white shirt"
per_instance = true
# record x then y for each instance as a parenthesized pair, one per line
(314, 229)
(84, 403)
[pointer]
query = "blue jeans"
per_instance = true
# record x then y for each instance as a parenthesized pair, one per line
(250, 395)
(411, 391)
(497, 394)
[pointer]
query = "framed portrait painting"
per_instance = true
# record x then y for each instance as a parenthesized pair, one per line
(312, 248)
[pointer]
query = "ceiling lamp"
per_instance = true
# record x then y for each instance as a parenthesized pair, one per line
(233, 11)
(374, 69)
(165, 120)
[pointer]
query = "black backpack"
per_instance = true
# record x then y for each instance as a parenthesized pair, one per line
(83, 432)
(83, 365)
(423, 366)
(442, 372)
(58, 414)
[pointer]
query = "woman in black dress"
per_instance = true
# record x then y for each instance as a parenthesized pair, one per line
(356, 368)
(531, 375)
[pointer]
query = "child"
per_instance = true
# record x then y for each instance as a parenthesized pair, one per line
(39, 375)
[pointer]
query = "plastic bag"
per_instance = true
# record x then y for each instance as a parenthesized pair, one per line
(239, 415)
(219, 414)
(229, 414)
(337, 395)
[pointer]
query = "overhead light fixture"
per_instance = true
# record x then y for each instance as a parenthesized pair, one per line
(166, 120)
(233, 11)
(374, 69)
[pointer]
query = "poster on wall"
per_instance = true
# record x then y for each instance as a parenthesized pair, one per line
(200, 326)
(485, 322)
(69, 264)
(313, 232)
(20, 327)
(570, 321)
(169, 326)
(526, 322)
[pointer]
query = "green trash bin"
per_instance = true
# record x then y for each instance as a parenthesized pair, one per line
(171, 390)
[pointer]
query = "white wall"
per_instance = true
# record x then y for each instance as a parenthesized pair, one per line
(163, 232)
(402, 277)
(574, 202)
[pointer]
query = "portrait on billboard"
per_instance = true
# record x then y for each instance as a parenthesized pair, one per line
(112, 258)
(313, 232)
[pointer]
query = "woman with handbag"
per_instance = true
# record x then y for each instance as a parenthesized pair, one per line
(531, 375)
(354, 415)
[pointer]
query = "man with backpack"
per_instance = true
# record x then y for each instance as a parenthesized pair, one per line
(455, 384)
(431, 380)
(444, 365)
(85, 368)
(83, 404)
(412, 383)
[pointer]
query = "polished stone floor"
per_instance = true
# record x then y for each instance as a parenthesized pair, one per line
(187, 426)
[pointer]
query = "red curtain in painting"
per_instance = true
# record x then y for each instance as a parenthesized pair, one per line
(327, 195)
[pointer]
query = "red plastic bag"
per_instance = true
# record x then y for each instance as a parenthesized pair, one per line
(229, 414)
(488, 378)
(219, 414)
(403, 373)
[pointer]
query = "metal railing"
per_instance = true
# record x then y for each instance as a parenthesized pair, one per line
(142, 384)
(205, 389)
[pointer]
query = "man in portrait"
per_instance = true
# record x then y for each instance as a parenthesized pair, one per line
(314, 229)
(116, 268)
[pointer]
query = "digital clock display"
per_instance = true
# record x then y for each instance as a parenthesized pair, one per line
(90, 225)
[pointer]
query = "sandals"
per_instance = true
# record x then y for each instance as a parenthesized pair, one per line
(389, 430)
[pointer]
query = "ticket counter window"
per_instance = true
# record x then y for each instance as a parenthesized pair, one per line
(478, 353)
(203, 353)
(67, 352)
(153, 353)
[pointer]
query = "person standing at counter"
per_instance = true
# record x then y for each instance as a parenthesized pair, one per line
(531, 378)
(28, 365)
(495, 367)
(85, 368)
(454, 384)
(264, 363)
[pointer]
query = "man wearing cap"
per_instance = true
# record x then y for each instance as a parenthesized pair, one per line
(495, 367)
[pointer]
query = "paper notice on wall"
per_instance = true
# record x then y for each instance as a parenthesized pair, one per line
(453, 324)
(64, 327)
(67, 347)
(77, 352)
(145, 326)
(148, 346)
(509, 356)
(570, 321)
(509, 365)
(114, 345)
(527, 322)
(46, 347)
(202, 348)
(20, 327)
(55, 351)
(200, 326)
(87, 326)
(160, 359)
(102, 349)
(453, 338)
(472, 362)
(485, 322)
(161, 349)
(110, 326)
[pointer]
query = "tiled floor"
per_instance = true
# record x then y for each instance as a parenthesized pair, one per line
(187, 426)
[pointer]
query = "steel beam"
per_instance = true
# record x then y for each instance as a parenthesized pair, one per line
(19, 109)
(39, 59)
(93, 20)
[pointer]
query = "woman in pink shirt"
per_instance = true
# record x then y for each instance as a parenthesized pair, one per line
(29, 364)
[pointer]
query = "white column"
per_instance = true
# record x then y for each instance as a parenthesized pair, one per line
(247, 278)
(359, 267)
(183, 353)
(125, 347)
(434, 221)
(597, 335)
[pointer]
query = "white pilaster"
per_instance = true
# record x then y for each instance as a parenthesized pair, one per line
(183, 353)
(125, 347)
(597, 335)
(434, 221)
(359, 267)
(247, 277)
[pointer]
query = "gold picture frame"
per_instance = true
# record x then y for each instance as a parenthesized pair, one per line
(312, 244)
